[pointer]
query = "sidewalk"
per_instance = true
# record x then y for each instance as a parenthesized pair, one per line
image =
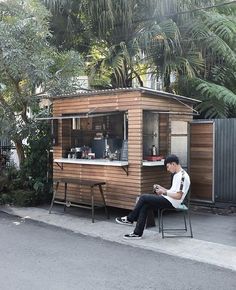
(214, 239)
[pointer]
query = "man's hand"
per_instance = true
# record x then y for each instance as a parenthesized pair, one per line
(161, 191)
(158, 189)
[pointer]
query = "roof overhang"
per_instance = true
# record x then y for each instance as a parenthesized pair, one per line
(143, 90)
(168, 95)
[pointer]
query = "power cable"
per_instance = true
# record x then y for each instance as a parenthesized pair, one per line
(203, 8)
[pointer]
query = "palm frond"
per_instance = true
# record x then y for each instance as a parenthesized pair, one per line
(213, 108)
(221, 25)
(206, 39)
(224, 76)
(210, 90)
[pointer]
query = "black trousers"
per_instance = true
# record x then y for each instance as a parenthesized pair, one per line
(146, 202)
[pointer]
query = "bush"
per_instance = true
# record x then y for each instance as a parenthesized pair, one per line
(36, 171)
(25, 198)
(3, 182)
(6, 198)
(32, 184)
(23, 192)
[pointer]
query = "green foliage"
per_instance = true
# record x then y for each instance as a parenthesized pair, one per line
(23, 197)
(167, 37)
(32, 184)
(29, 67)
(20, 197)
(4, 182)
(35, 172)
(190, 45)
(6, 198)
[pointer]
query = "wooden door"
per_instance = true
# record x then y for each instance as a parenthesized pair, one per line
(201, 167)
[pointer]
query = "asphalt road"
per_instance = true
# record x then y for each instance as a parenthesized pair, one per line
(36, 256)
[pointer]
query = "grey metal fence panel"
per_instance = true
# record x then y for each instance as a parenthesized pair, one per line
(4, 142)
(225, 160)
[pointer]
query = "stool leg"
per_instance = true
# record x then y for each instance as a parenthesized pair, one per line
(104, 202)
(92, 202)
(65, 196)
(54, 195)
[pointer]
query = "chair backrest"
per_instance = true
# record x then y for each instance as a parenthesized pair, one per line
(185, 203)
(186, 200)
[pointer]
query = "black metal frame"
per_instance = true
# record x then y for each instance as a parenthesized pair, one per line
(186, 211)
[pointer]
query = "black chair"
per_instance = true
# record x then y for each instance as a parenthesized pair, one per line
(183, 208)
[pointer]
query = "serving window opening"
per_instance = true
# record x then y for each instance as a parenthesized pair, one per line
(97, 136)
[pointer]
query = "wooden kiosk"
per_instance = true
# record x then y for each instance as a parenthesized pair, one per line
(130, 121)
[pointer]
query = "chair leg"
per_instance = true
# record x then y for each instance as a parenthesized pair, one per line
(190, 225)
(162, 230)
(185, 223)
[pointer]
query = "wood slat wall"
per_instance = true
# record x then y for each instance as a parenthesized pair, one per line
(120, 190)
(164, 132)
(152, 175)
(201, 161)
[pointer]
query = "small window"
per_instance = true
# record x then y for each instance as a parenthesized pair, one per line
(179, 140)
(150, 132)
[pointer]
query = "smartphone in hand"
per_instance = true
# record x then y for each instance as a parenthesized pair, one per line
(155, 188)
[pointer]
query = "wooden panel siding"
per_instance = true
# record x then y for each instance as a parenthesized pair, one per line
(152, 175)
(85, 104)
(118, 183)
(201, 161)
(163, 104)
(163, 134)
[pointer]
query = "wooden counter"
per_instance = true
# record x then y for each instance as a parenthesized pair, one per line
(105, 162)
(154, 163)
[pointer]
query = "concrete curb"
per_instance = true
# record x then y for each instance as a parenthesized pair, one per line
(193, 249)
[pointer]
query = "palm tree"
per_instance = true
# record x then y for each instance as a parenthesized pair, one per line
(216, 83)
(195, 47)
(165, 37)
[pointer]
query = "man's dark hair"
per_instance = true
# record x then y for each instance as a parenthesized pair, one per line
(171, 158)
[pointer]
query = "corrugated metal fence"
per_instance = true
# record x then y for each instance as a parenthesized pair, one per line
(225, 160)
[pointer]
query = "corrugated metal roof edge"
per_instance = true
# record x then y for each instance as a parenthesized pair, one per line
(168, 95)
(117, 90)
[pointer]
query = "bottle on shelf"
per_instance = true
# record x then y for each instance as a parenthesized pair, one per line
(107, 152)
(154, 150)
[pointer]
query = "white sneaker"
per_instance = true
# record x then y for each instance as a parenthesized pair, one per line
(123, 221)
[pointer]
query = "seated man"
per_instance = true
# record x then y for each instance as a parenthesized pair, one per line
(162, 198)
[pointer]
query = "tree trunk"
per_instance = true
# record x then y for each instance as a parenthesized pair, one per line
(20, 151)
(167, 82)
